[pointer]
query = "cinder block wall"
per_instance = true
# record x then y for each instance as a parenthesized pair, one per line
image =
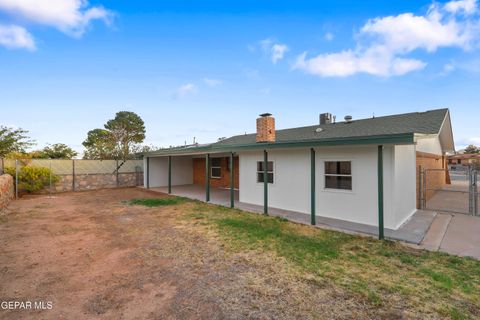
(435, 179)
(6, 191)
(224, 181)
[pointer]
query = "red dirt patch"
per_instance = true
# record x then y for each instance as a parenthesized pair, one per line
(95, 256)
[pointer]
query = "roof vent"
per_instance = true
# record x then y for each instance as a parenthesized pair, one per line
(325, 118)
(348, 119)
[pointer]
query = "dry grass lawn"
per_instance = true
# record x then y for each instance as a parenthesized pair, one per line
(132, 254)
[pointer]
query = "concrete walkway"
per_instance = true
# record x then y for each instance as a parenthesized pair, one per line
(413, 231)
(457, 234)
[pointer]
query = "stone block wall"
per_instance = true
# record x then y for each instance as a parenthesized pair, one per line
(95, 181)
(6, 191)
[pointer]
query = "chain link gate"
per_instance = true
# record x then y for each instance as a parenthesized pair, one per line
(460, 196)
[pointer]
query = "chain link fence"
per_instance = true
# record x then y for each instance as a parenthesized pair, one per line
(78, 175)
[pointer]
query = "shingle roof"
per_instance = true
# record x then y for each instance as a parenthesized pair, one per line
(388, 129)
(428, 122)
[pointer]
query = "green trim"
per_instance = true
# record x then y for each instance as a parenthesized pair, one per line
(404, 138)
(232, 192)
(207, 177)
(312, 186)
(148, 173)
(169, 174)
(380, 194)
(265, 182)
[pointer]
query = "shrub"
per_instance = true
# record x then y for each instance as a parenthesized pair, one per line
(31, 179)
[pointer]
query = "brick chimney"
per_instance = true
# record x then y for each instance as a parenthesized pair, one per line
(266, 128)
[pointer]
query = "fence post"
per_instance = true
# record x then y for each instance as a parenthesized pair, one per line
(73, 174)
(116, 177)
(16, 179)
(475, 193)
(471, 191)
(50, 178)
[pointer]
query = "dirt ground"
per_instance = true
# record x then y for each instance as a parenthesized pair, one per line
(94, 256)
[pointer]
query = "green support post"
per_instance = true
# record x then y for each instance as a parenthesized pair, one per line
(207, 177)
(148, 173)
(312, 186)
(169, 174)
(232, 194)
(265, 182)
(381, 234)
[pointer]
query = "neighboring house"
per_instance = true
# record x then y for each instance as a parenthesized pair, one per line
(355, 170)
(466, 159)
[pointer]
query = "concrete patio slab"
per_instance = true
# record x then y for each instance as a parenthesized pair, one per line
(413, 231)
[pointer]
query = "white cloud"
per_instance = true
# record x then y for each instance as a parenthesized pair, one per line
(16, 37)
(212, 82)
(329, 36)
(276, 51)
(374, 61)
(466, 6)
(69, 16)
(384, 42)
(185, 90)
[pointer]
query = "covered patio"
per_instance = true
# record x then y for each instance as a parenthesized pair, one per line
(413, 231)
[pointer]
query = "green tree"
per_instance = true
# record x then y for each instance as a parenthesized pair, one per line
(99, 145)
(472, 149)
(13, 140)
(121, 138)
(58, 151)
(127, 131)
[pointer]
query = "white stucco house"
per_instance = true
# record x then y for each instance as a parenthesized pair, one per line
(362, 171)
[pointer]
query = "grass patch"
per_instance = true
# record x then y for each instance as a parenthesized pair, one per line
(158, 202)
(381, 272)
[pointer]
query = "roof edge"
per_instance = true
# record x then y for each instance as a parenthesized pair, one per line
(403, 138)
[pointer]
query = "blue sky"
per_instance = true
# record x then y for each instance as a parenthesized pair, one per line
(207, 69)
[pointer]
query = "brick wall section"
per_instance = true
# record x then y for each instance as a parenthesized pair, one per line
(266, 129)
(435, 179)
(224, 181)
(6, 191)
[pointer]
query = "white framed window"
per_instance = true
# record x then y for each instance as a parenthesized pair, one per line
(338, 175)
(260, 171)
(216, 168)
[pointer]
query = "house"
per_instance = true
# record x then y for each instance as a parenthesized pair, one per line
(362, 171)
(466, 159)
